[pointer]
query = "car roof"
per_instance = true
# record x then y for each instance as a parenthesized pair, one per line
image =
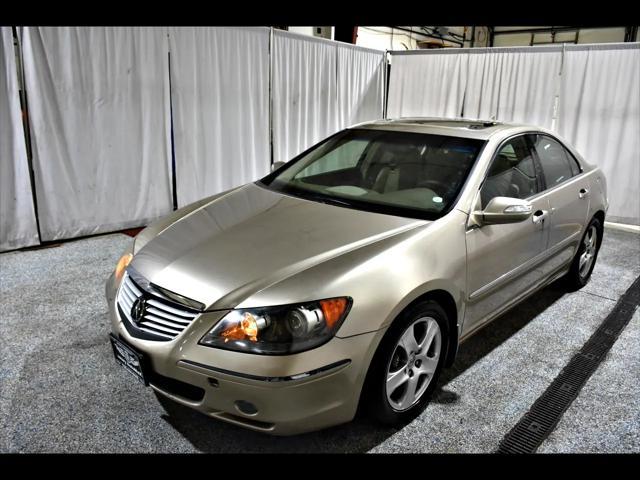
(479, 129)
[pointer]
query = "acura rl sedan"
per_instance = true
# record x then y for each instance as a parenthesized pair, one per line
(348, 277)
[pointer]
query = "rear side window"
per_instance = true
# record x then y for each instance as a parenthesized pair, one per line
(512, 173)
(557, 164)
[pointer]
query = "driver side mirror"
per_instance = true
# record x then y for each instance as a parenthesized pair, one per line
(276, 165)
(501, 210)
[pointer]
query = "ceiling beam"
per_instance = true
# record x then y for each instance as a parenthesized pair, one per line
(546, 30)
(424, 34)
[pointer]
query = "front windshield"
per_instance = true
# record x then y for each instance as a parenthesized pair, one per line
(408, 174)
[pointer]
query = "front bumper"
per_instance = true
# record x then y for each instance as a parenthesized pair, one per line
(292, 394)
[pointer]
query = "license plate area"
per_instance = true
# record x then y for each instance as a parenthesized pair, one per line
(130, 359)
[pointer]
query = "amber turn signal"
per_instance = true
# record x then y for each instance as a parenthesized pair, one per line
(123, 263)
(333, 309)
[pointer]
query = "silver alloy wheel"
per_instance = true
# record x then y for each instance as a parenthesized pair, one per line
(590, 244)
(413, 363)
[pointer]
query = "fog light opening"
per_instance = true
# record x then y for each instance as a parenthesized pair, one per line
(247, 408)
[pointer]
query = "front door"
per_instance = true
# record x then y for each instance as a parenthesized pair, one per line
(502, 259)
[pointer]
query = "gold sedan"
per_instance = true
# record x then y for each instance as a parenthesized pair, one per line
(350, 274)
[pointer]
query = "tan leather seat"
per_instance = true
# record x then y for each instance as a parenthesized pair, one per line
(387, 180)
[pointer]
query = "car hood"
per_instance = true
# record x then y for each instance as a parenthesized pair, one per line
(251, 238)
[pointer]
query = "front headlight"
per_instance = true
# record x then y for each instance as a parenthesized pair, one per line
(279, 330)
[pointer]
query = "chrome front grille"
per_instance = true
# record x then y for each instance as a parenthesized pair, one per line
(158, 316)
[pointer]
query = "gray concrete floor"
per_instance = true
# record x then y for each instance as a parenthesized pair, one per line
(61, 391)
(606, 415)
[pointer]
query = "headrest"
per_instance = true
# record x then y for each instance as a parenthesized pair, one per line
(502, 163)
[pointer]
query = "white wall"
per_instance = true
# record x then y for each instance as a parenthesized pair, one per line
(381, 38)
(609, 35)
(327, 32)
(587, 35)
(388, 38)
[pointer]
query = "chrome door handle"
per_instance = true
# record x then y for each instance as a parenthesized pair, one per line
(583, 193)
(539, 216)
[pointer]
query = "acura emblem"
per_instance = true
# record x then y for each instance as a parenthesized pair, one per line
(138, 309)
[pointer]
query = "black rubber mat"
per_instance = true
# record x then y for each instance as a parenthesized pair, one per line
(536, 425)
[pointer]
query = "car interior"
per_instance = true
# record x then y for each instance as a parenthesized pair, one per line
(420, 175)
(512, 173)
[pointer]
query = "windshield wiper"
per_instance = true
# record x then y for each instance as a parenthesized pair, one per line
(334, 201)
(318, 197)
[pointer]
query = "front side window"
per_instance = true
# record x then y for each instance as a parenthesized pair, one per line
(511, 174)
(556, 164)
(401, 173)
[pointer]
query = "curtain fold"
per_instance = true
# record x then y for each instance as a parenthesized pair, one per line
(588, 94)
(320, 87)
(360, 85)
(513, 85)
(427, 85)
(599, 113)
(99, 108)
(304, 93)
(220, 100)
(17, 217)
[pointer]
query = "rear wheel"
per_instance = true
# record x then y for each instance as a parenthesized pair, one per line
(405, 369)
(585, 259)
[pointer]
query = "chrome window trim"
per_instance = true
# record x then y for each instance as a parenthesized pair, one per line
(536, 161)
(567, 151)
(495, 154)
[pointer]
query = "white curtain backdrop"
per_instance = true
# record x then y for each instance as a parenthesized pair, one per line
(427, 85)
(17, 218)
(220, 100)
(99, 107)
(588, 94)
(513, 85)
(361, 75)
(304, 93)
(599, 113)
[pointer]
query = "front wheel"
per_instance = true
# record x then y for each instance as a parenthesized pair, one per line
(585, 259)
(405, 369)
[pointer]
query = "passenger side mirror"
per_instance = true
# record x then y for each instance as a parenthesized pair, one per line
(503, 210)
(276, 165)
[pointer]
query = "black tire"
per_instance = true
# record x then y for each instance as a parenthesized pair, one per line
(574, 279)
(375, 395)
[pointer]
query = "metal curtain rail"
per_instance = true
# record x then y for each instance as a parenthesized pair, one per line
(174, 182)
(270, 100)
(550, 30)
(26, 125)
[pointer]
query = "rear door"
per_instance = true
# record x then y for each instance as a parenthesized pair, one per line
(502, 259)
(567, 190)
